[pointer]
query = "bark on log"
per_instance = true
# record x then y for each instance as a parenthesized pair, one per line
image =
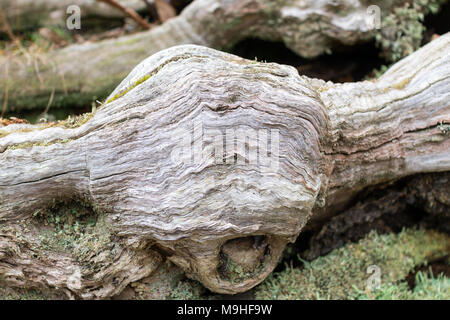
(308, 28)
(328, 141)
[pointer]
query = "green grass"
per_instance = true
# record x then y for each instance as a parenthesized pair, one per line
(342, 274)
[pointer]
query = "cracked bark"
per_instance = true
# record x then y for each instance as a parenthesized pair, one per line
(308, 28)
(334, 140)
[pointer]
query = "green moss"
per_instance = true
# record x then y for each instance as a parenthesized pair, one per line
(20, 294)
(342, 274)
(444, 127)
(20, 103)
(236, 273)
(376, 73)
(73, 228)
(402, 30)
(427, 288)
(37, 144)
(69, 123)
(36, 39)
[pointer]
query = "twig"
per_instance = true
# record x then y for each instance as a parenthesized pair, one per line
(5, 100)
(128, 11)
(165, 10)
(7, 27)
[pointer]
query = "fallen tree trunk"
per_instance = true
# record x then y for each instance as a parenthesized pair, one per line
(24, 14)
(308, 29)
(178, 163)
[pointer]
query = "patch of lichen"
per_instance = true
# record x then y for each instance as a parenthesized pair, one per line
(76, 121)
(134, 85)
(402, 30)
(342, 274)
(188, 290)
(168, 282)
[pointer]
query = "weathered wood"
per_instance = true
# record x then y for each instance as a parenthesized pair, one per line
(309, 28)
(125, 161)
(22, 13)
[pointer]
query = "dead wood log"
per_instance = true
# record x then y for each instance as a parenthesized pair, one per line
(165, 171)
(78, 73)
(23, 14)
